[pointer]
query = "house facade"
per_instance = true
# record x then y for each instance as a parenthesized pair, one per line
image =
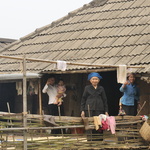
(99, 37)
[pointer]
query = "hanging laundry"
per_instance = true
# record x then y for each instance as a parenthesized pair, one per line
(104, 122)
(32, 88)
(19, 87)
(61, 65)
(97, 122)
(104, 125)
(102, 116)
(36, 88)
(122, 74)
(111, 124)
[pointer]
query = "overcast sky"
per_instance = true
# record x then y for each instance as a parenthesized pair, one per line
(21, 17)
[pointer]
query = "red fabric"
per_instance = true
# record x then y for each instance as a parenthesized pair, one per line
(105, 126)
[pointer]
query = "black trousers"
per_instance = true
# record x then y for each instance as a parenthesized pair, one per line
(54, 111)
(130, 110)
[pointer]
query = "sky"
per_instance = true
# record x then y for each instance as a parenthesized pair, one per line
(21, 17)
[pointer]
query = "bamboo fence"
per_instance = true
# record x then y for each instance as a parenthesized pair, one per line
(74, 138)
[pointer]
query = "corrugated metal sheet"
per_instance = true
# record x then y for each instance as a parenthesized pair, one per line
(111, 32)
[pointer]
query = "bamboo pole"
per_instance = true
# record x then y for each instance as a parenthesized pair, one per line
(9, 111)
(39, 128)
(60, 119)
(68, 63)
(24, 102)
(64, 118)
(40, 97)
(141, 108)
(60, 127)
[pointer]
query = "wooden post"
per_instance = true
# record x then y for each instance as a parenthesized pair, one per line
(40, 97)
(40, 100)
(24, 102)
(9, 111)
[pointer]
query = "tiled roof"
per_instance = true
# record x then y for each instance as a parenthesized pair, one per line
(110, 32)
(4, 42)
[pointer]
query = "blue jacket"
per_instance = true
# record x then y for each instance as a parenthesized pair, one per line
(131, 93)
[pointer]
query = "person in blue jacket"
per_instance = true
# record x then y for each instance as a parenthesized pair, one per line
(131, 95)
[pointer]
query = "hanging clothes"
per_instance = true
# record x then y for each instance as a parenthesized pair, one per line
(122, 74)
(61, 65)
(104, 122)
(19, 87)
(32, 88)
(111, 124)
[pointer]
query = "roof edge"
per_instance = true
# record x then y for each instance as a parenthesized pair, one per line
(70, 14)
(98, 3)
(54, 23)
(19, 76)
(10, 45)
(7, 40)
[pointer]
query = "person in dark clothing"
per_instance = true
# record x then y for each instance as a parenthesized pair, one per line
(94, 100)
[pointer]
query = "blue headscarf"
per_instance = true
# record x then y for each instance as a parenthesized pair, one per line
(94, 74)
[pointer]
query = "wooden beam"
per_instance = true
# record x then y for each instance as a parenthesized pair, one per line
(69, 63)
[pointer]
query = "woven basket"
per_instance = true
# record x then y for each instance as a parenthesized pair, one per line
(145, 131)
